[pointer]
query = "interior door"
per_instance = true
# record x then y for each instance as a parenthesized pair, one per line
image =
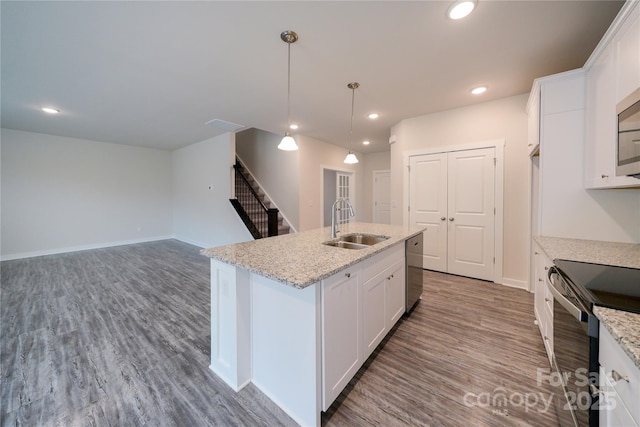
(428, 206)
(343, 190)
(382, 197)
(471, 213)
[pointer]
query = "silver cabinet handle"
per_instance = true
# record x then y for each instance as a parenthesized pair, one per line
(617, 377)
(443, 218)
(347, 274)
(450, 218)
(594, 390)
(603, 176)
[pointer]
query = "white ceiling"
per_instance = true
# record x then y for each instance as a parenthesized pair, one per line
(152, 73)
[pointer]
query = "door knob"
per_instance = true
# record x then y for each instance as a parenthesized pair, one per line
(451, 219)
(443, 218)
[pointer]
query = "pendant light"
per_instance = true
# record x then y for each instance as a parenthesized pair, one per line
(288, 143)
(351, 158)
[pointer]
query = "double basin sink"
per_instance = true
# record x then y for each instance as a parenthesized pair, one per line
(356, 241)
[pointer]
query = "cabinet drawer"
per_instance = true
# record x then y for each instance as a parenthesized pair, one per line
(612, 410)
(619, 370)
(380, 262)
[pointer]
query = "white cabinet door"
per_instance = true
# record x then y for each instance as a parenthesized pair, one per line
(543, 300)
(533, 123)
(428, 206)
(628, 57)
(373, 313)
(471, 213)
(341, 354)
(602, 126)
(619, 382)
(538, 287)
(394, 293)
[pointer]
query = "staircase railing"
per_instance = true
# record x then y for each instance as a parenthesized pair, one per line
(259, 219)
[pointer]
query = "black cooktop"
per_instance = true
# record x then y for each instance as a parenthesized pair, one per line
(605, 285)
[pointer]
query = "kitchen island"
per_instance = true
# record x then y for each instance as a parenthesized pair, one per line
(298, 318)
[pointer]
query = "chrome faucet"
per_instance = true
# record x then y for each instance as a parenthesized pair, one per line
(333, 214)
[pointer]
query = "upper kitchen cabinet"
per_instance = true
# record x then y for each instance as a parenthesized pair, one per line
(613, 72)
(627, 46)
(556, 173)
(533, 124)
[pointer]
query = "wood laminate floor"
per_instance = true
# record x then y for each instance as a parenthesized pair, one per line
(121, 337)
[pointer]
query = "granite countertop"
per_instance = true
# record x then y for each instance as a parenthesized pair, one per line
(594, 251)
(623, 325)
(300, 259)
(625, 329)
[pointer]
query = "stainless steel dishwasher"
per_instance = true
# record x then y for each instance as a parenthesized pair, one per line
(413, 253)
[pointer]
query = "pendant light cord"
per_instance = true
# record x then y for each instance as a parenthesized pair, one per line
(353, 97)
(288, 87)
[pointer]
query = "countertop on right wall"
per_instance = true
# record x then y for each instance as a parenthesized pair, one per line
(594, 251)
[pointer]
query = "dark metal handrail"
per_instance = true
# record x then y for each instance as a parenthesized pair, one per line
(260, 220)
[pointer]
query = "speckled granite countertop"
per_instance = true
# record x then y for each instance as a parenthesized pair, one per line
(597, 252)
(300, 259)
(625, 329)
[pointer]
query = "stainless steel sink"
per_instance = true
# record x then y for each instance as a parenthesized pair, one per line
(363, 239)
(344, 245)
(356, 241)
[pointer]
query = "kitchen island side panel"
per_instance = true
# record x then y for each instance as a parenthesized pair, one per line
(230, 317)
(286, 346)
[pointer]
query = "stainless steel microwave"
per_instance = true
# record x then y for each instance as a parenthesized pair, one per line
(628, 150)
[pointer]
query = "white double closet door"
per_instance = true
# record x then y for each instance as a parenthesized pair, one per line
(453, 196)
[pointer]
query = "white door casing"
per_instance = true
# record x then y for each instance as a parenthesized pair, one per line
(382, 197)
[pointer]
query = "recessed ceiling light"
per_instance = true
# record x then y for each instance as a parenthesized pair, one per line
(293, 126)
(366, 142)
(50, 110)
(478, 90)
(374, 116)
(460, 9)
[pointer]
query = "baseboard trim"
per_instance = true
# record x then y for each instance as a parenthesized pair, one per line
(81, 248)
(192, 242)
(513, 283)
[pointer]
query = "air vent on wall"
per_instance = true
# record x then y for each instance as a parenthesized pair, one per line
(225, 125)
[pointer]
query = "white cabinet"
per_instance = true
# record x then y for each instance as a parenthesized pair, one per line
(619, 384)
(394, 293)
(612, 76)
(627, 44)
(373, 317)
(556, 181)
(341, 353)
(533, 126)
(383, 296)
(543, 299)
(360, 305)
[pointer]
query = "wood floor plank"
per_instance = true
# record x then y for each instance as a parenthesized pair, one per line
(121, 337)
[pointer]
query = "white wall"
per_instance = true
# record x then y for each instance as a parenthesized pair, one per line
(501, 119)
(372, 162)
(314, 155)
(202, 213)
(275, 170)
(62, 194)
